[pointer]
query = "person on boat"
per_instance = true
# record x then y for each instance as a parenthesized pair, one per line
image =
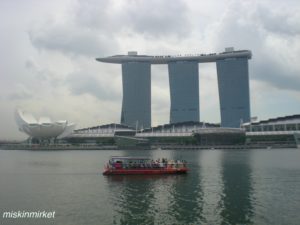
(118, 165)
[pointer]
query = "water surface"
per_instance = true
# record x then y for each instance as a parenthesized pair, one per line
(222, 187)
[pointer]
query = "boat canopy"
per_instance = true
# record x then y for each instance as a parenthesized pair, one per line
(128, 158)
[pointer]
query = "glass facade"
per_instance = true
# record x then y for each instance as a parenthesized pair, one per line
(233, 81)
(273, 127)
(136, 104)
(184, 91)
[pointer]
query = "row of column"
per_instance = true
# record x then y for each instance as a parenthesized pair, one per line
(233, 83)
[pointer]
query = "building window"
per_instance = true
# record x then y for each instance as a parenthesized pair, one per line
(257, 128)
(279, 127)
(291, 127)
(269, 128)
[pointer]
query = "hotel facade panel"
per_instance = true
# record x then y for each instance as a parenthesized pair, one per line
(184, 91)
(233, 81)
(136, 104)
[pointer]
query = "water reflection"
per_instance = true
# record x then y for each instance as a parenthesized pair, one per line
(132, 199)
(186, 204)
(217, 189)
(158, 199)
(132, 196)
(236, 200)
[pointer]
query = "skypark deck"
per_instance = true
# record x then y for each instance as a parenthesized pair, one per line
(165, 59)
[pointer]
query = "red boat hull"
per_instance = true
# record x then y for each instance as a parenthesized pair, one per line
(144, 171)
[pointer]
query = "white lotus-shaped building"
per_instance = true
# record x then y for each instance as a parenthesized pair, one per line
(43, 128)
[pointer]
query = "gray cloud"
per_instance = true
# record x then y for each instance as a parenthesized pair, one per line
(20, 95)
(18, 92)
(41, 77)
(93, 27)
(84, 31)
(97, 15)
(153, 18)
(71, 40)
(255, 31)
(279, 76)
(47, 58)
(82, 83)
(159, 18)
(279, 22)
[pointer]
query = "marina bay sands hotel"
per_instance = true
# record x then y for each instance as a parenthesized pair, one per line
(233, 83)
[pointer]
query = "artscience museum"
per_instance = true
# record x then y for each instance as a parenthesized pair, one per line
(43, 129)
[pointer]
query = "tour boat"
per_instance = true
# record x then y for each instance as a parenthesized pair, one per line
(119, 165)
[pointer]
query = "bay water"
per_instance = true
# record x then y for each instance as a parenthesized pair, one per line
(222, 187)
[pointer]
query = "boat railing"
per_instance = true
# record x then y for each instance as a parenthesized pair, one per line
(155, 165)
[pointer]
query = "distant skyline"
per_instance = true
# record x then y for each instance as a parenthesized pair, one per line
(48, 51)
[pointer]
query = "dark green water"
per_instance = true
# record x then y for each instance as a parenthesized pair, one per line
(223, 187)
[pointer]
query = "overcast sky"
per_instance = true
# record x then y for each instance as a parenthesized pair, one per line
(48, 51)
